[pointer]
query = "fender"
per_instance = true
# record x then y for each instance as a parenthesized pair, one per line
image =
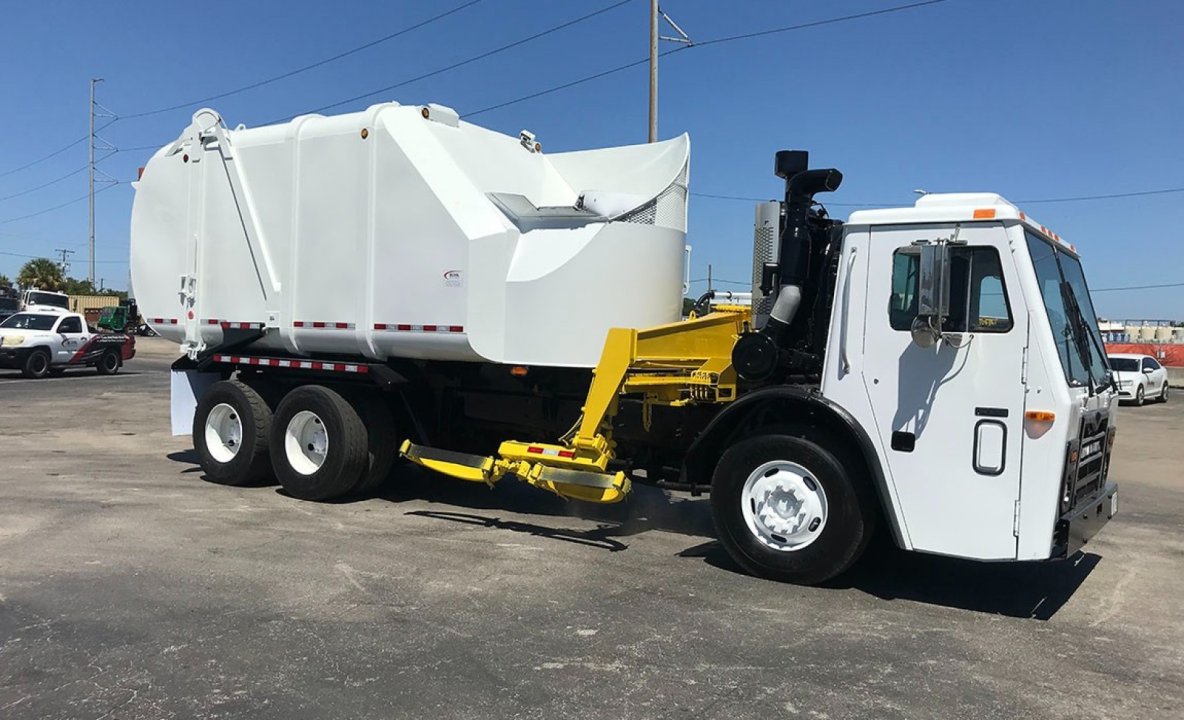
(795, 404)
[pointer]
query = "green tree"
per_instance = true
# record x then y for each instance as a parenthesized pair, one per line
(71, 286)
(5, 283)
(41, 273)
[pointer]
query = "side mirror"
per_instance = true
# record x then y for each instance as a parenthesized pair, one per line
(933, 293)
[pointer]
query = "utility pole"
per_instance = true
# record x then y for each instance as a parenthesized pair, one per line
(65, 263)
(655, 14)
(91, 166)
(654, 70)
(96, 143)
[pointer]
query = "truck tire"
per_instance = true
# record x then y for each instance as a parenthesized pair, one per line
(36, 364)
(230, 432)
(318, 444)
(382, 440)
(786, 508)
(108, 363)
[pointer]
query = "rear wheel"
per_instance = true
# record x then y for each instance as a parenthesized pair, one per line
(108, 363)
(382, 440)
(36, 364)
(786, 508)
(318, 444)
(230, 431)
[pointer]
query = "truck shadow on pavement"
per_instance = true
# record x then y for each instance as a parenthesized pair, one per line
(1030, 590)
(647, 508)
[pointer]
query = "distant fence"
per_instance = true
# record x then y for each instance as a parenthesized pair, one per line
(1167, 353)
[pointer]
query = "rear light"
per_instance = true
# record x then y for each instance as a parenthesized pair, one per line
(1040, 416)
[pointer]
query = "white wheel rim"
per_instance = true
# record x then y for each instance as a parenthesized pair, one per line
(224, 432)
(784, 505)
(305, 442)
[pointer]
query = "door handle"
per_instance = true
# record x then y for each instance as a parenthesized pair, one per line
(846, 312)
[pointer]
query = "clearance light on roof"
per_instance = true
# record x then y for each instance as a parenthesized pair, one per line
(984, 214)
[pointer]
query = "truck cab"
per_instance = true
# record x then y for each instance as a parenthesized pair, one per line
(964, 340)
(44, 301)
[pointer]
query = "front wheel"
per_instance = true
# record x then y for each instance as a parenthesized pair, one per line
(1139, 396)
(36, 365)
(786, 508)
(1163, 394)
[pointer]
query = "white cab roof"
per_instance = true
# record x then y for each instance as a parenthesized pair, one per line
(955, 208)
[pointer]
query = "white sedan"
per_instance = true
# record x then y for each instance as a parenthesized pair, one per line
(1139, 377)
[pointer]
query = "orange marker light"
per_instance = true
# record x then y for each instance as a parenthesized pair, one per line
(519, 371)
(1040, 416)
(984, 214)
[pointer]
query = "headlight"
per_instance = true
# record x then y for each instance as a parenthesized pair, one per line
(13, 340)
(1124, 383)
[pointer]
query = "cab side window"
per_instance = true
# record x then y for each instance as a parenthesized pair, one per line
(70, 325)
(978, 295)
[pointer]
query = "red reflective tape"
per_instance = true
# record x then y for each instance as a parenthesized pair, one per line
(342, 326)
(429, 328)
(210, 321)
(380, 326)
(534, 450)
(567, 454)
(404, 327)
(456, 328)
(298, 323)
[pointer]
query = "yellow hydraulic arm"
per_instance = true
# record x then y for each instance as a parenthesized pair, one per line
(675, 365)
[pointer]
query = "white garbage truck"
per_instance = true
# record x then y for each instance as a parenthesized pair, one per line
(397, 282)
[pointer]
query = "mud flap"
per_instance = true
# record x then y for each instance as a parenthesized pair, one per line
(186, 388)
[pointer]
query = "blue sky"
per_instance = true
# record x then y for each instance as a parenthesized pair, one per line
(1034, 99)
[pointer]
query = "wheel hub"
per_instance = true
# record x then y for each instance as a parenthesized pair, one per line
(784, 506)
(224, 432)
(306, 442)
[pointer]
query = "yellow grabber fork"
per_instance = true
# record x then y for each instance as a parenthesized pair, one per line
(678, 364)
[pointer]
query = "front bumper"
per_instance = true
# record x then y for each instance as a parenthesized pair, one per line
(11, 358)
(1076, 527)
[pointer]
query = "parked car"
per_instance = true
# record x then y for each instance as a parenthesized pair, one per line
(46, 343)
(9, 306)
(1140, 378)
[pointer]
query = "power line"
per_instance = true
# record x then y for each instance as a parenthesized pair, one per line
(59, 207)
(55, 153)
(1037, 201)
(40, 257)
(1137, 193)
(469, 60)
(70, 174)
(1138, 287)
(817, 23)
(697, 44)
(305, 68)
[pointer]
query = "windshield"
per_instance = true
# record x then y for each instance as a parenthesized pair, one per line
(1062, 285)
(1124, 364)
(29, 321)
(44, 298)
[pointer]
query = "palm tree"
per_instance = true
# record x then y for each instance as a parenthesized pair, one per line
(41, 273)
(5, 283)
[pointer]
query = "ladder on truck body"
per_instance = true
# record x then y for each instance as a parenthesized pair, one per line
(678, 364)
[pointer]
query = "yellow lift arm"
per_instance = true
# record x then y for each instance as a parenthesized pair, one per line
(678, 364)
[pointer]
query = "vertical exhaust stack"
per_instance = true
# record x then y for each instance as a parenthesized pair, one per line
(756, 355)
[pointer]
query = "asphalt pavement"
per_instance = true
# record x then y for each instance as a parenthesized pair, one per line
(131, 588)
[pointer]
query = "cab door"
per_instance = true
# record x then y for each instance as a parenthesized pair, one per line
(950, 416)
(71, 337)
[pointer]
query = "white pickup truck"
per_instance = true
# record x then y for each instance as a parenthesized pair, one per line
(46, 343)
